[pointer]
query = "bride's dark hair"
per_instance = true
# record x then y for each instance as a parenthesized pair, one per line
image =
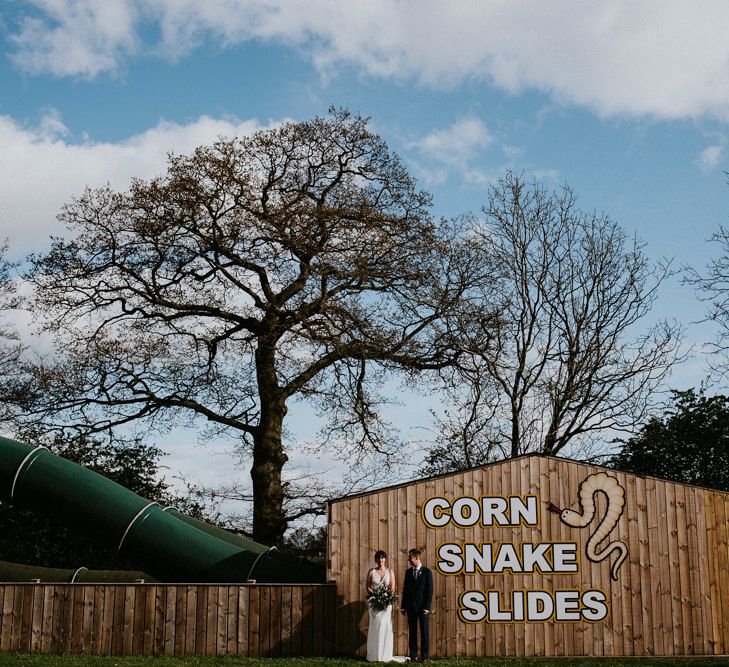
(380, 554)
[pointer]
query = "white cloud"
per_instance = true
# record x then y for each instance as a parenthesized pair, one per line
(710, 157)
(458, 143)
(512, 152)
(77, 37)
(552, 175)
(477, 177)
(40, 169)
(453, 149)
(665, 60)
(432, 176)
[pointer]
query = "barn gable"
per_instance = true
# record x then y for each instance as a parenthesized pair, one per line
(636, 566)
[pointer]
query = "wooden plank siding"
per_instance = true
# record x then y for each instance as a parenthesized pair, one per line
(671, 596)
(166, 619)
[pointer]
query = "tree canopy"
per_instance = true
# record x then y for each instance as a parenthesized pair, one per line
(567, 359)
(689, 443)
(297, 262)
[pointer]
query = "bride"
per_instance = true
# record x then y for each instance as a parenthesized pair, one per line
(379, 635)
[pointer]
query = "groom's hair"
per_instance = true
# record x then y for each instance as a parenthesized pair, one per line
(415, 553)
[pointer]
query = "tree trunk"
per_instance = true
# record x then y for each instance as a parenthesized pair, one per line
(515, 431)
(550, 440)
(269, 520)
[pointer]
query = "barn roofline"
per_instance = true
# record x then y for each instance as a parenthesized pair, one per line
(516, 458)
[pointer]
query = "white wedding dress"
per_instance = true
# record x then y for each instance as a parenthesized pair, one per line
(379, 634)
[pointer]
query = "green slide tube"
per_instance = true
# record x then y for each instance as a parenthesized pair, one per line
(163, 543)
(16, 572)
(216, 531)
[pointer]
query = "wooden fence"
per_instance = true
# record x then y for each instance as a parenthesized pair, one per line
(158, 619)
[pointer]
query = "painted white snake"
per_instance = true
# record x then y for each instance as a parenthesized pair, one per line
(616, 500)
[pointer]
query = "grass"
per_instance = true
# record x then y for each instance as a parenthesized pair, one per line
(33, 660)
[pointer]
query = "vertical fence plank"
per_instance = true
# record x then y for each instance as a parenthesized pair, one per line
(117, 635)
(704, 569)
(634, 634)
(297, 616)
(286, 629)
(603, 633)
(191, 595)
(87, 633)
(359, 569)
(264, 628)
(157, 631)
(329, 619)
(684, 592)
(124, 620)
(71, 619)
(18, 634)
(674, 580)
(365, 560)
(644, 565)
(231, 612)
(307, 620)
(146, 602)
(625, 589)
(221, 635)
(254, 615)
(694, 560)
(180, 620)
(275, 623)
(140, 611)
(317, 626)
(722, 543)
(97, 621)
(108, 619)
(58, 621)
(654, 560)
(548, 490)
(349, 573)
(243, 620)
(46, 639)
(64, 623)
(36, 627)
(170, 620)
(713, 571)
(533, 632)
(201, 618)
(26, 618)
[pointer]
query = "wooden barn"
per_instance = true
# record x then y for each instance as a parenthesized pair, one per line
(543, 556)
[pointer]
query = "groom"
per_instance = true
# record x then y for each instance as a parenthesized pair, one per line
(417, 594)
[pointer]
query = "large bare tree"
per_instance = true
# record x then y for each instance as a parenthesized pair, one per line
(570, 358)
(291, 263)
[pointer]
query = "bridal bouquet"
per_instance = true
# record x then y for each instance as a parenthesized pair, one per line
(382, 597)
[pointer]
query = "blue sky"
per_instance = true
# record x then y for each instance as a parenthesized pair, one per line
(627, 102)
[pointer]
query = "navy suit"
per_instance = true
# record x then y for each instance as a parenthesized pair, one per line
(417, 594)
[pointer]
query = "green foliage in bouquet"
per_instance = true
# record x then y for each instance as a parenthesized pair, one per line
(382, 597)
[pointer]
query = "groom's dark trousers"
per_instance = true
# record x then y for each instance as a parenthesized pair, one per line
(415, 620)
(417, 594)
